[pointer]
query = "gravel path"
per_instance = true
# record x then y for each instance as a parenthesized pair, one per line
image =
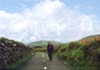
(40, 62)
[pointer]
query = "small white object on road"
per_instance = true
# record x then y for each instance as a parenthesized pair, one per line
(45, 68)
(32, 53)
(14, 45)
(42, 55)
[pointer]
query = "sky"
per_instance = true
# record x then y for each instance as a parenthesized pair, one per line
(60, 20)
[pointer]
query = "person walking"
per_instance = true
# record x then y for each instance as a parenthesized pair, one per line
(50, 49)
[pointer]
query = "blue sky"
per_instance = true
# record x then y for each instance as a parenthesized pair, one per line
(61, 20)
(16, 5)
(86, 6)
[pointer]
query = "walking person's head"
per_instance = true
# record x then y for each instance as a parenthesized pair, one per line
(50, 46)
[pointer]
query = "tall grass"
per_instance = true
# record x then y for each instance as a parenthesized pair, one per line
(81, 56)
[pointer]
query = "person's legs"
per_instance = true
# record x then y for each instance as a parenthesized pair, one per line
(50, 56)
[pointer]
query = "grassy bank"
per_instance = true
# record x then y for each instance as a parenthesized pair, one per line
(81, 56)
(39, 49)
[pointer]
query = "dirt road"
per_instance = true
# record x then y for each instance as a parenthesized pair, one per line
(40, 62)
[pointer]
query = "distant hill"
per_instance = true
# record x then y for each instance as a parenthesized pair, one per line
(89, 39)
(43, 43)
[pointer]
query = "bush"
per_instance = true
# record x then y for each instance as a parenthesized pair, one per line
(81, 57)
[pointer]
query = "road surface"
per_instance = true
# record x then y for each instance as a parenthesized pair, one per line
(40, 62)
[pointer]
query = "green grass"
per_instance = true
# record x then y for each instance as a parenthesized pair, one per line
(39, 49)
(43, 43)
(73, 54)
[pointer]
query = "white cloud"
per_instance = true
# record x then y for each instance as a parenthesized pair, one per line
(48, 19)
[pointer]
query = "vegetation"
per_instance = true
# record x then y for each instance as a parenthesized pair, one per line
(13, 53)
(41, 46)
(43, 43)
(81, 56)
(39, 49)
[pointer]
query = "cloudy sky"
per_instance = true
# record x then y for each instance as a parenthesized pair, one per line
(61, 20)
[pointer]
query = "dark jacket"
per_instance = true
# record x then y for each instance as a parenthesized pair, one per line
(50, 48)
